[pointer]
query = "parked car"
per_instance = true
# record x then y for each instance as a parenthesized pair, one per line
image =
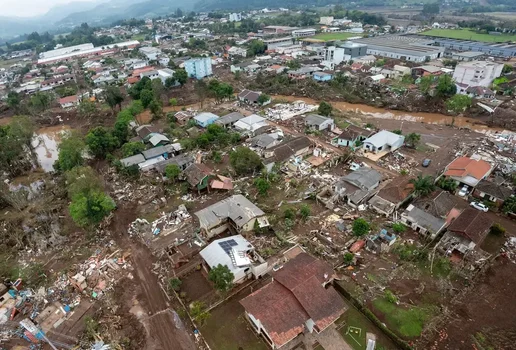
(426, 162)
(463, 191)
(479, 206)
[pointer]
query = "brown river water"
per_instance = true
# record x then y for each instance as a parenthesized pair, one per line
(382, 113)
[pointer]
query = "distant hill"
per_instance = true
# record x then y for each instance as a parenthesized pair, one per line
(101, 12)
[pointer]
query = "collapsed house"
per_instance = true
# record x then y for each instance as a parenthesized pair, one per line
(235, 213)
(358, 186)
(392, 196)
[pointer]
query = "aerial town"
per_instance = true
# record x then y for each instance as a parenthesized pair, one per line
(330, 176)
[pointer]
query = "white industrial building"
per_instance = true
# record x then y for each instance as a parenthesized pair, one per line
(477, 73)
(406, 48)
(273, 43)
(302, 33)
(235, 17)
(238, 255)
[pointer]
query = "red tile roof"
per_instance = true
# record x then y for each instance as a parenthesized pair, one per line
(472, 224)
(295, 296)
(137, 72)
(133, 80)
(68, 99)
(465, 166)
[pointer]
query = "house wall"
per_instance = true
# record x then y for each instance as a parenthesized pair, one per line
(260, 270)
(258, 327)
(216, 230)
(477, 75)
(249, 226)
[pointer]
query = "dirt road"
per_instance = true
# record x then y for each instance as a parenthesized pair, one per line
(165, 329)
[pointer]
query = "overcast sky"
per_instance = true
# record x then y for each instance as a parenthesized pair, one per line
(29, 8)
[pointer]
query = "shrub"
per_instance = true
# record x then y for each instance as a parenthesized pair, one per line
(360, 227)
(390, 297)
(399, 227)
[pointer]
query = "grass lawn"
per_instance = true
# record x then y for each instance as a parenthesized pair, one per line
(139, 37)
(354, 329)
(334, 36)
(466, 34)
(406, 322)
(228, 329)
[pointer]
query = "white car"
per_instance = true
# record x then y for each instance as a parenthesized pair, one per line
(479, 206)
(463, 191)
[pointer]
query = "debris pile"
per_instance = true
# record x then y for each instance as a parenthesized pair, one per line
(162, 226)
(71, 294)
(509, 249)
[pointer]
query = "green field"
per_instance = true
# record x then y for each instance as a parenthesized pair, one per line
(334, 36)
(466, 34)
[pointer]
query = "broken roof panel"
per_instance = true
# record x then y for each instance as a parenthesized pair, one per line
(238, 208)
(473, 224)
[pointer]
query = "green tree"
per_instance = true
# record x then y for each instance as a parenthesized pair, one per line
(172, 172)
(407, 79)
(399, 227)
(40, 101)
(135, 108)
(71, 151)
(445, 86)
(121, 131)
(15, 137)
(289, 213)
(198, 312)
(256, 47)
(390, 297)
(293, 64)
(325, 108)
(425, 84)
(181, 76)
(360, 227)
(497, 230)
(174, 284)
(423, 185)
(132, 148)
(262, 185)
(220, 91)
(447, 184)
(158, 88)
(222, 277)
(87, 108)
(263, 98)
(170, 82)
(397, 132)
(412, 140)
(156, 109)
(81, 181)
(509, 205)
(90, 209)
(113, 96)
(244, 161)
(146, 96)
(348, 258)
(507, 68)
(101, 141)
(304, 212)
(13, 99)
(173, 101)
(458, 103)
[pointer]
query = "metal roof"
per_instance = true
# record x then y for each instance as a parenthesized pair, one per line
(133, 160)
(225, 251)
(238, 208)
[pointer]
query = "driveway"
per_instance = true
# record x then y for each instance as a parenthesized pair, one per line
(330, 339)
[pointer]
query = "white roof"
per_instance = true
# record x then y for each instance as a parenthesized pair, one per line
(228, 251)
(157, 138)
(251, 123)
(384, 137)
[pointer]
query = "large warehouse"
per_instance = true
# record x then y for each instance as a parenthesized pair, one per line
(402, 47)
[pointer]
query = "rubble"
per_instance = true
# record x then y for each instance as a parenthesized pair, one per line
(509, 249)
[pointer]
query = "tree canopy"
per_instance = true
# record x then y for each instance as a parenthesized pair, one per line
(101, 141)
(325, 108)
(458, 103)
(244, 161)
(221, 277)
(71, 151)
(423, 185)
(360, 227)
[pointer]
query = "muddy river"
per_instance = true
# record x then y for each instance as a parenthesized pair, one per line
(382, 113)
(45, 144)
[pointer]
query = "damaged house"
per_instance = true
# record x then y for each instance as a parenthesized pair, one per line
(358, 186)
(297, 301)
(198, 176)
(238, 255)
(392, 196)
(468, 171)
(422, 222)
(383, 141)
(352, 137)
(295, 147)
(235, 213)
(318, 122)
(466, 232)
